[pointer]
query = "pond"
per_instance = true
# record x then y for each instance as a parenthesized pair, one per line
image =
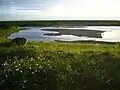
(97, 33)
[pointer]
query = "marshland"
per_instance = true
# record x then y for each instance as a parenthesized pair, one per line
(81, 60)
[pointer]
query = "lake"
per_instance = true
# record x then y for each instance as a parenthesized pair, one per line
(96, 33)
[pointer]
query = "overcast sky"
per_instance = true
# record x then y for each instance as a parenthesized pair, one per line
(59, 9)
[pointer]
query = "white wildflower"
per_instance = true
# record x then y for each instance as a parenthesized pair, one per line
(6, 75)
(32, 59)
(3, 80)
(30, 68)
(38, 57)
(43, 58)
(17, 69)
(33, 72)
(23, 86)
(25, 81)
(21, 71)
(40, 67)
(50, 66)
(5, 64)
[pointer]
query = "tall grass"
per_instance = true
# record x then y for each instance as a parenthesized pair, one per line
(59, 70)
(33, 67)
(59, 66)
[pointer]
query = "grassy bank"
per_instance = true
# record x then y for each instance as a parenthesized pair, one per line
(64, 23)
(59, 66)
(4, 32)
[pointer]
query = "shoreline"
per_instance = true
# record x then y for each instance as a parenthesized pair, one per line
(87, 41)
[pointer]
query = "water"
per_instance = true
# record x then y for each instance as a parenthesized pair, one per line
(97, 33)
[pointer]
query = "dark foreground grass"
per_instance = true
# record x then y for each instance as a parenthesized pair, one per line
(85, 67)
(59, 66)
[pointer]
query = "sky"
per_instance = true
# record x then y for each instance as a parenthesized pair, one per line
(59, 10)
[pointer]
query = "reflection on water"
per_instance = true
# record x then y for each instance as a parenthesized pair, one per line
(103, 28)
(113, 35)
(33, 34)
(97, 33)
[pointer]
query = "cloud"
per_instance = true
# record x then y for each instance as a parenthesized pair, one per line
(85, 8)
(69, 9)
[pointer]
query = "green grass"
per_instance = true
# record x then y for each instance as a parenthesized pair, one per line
(59, 66)
(73, 47)
(4, 32)
(62, 23)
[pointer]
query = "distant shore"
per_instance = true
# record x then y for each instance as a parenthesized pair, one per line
(87, 41)
(48, 23)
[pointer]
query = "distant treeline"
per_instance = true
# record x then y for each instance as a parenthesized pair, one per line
(61, 23)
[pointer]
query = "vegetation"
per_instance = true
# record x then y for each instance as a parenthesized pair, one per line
(59, 66)
(77, 32)
(70, 23)
(5, 31)
(19, 41)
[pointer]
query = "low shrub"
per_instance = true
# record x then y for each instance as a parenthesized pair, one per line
(59, 70)
(19, 41)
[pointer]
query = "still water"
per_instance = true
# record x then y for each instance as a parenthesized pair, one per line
(97, 33)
